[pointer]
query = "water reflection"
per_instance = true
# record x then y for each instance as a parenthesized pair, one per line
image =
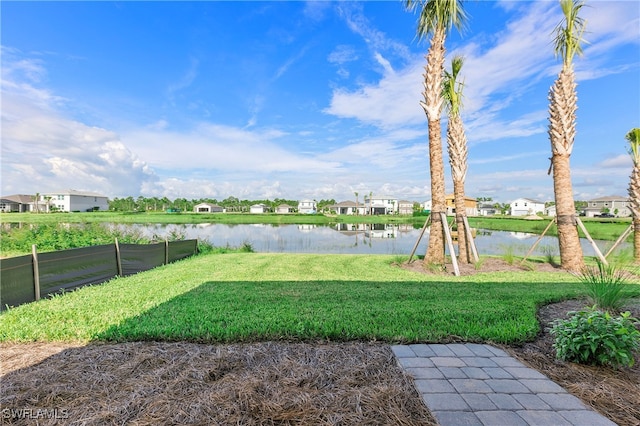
(356, 238)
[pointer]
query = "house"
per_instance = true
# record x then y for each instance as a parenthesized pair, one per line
(259, 208)
(405, 207)
(380, 204)
(307, 206)
(71, 200)
(470, 204)
(550, 211)
(526, 207)
(207, 208)
(349, 208)
(487, 210)
(19, 203)
(427, 206)
(614, 204)
(284, 208)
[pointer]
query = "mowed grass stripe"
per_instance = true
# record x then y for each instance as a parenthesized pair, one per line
(256, 297)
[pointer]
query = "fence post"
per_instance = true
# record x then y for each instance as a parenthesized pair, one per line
(118, 259)
(36, 272)
(166, 251)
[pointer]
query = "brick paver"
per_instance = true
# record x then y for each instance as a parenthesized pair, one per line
(474, 384)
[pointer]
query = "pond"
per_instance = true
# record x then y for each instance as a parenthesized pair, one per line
(356, 238)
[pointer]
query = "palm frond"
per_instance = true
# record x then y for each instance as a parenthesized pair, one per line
(438, 14)
(570, 32)
(451, 87)
(633, 137)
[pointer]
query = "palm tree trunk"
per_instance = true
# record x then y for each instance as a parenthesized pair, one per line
(571, 257)
(457, 148)
(634, 198)
(562, 118)
(461, 208)
(432, 107)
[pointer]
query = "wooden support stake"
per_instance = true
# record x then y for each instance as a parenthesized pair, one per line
(415, 246)
(593, 243)
(452, 251)
(622, 237)
(538, 240)
(470, 240)
(36, 272)
(118, 259)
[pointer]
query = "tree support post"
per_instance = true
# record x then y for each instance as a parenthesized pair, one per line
(449, 240)
(620, 239)
(538, 240)
(415, 246)
(593, 243)
(36, 272)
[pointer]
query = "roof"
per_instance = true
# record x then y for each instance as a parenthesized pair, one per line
(451, 196)
(611, 198)
(74, 192)
(19, 198)
(347, 204)
(529, 199)
(379, 197)
(208, 204)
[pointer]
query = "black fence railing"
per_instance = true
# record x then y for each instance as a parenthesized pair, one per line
(24, 279)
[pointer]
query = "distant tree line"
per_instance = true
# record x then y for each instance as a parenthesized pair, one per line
(231, 204)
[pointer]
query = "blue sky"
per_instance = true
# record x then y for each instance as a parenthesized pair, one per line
(299, 99)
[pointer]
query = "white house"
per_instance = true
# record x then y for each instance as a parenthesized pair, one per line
(307, 206)
(207, 208)
(526, 207)
(380, 204)
(427, 205)
(614, 204)
(487, 209)
(258, 208)
(74, 201)
(550, 211)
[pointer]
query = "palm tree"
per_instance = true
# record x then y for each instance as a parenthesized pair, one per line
(36, 200)
(436, 19)
(457, 149)
(356, 203)
(634, 188)
(562, 130)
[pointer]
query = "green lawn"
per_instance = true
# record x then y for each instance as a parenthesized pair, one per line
(256, 297)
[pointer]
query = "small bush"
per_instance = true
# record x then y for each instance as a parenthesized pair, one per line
(605, 285)
(594, 337)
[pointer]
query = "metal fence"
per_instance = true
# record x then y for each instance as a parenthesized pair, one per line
(27, 278)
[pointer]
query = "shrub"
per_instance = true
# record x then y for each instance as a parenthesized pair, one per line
(605, 285)
(594, 337)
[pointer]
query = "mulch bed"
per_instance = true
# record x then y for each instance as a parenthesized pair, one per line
(151, 383)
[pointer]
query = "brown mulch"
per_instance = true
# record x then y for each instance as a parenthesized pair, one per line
(150, 383)
(268, 383)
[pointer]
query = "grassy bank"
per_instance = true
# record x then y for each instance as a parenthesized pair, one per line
(255, 297)
(178, 218)
(600, 229)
